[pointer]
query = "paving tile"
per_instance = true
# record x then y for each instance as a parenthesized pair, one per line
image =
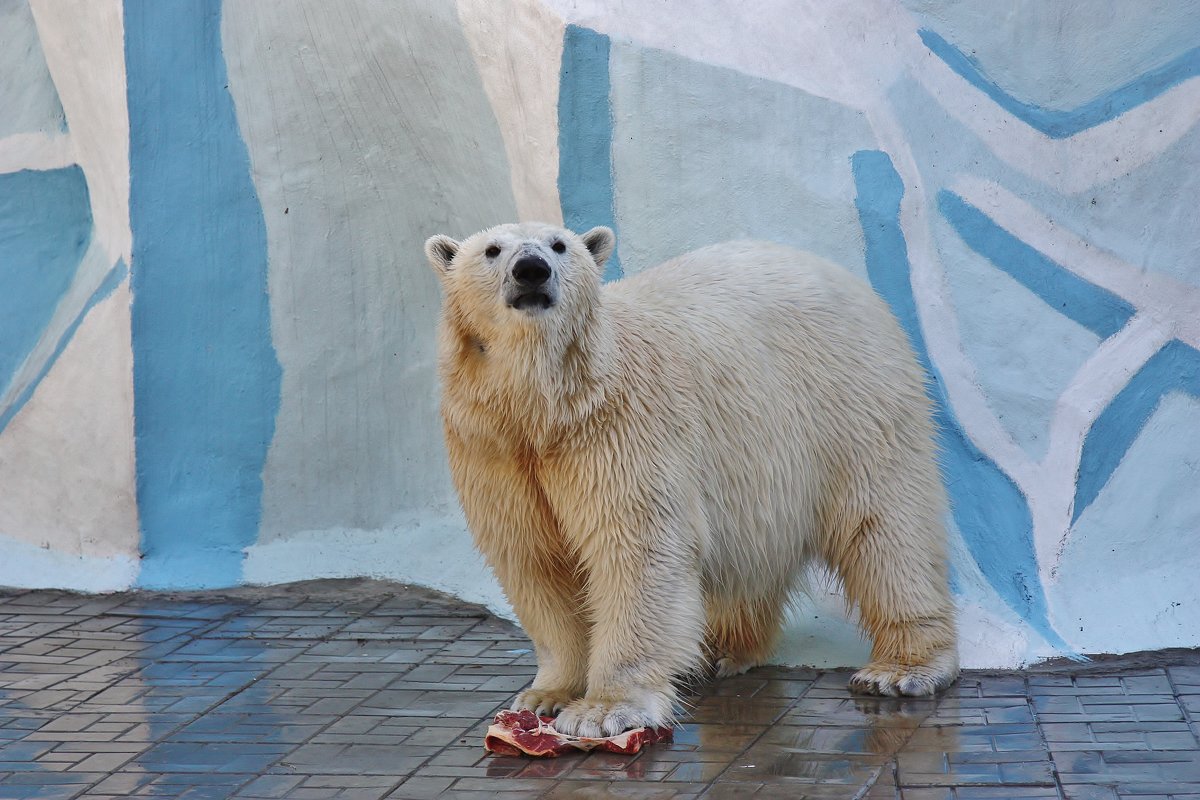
(975, 738)
(270, 787)
(954, 769)
(868, 740)
(1128, 767)
(716, 737)
(357, 759)
(210, 757)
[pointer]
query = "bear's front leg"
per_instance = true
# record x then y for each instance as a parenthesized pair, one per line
(643, 593)
(546, 600)
(516, 531)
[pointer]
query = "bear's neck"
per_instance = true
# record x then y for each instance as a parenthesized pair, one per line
(542, 384)
(566, 373)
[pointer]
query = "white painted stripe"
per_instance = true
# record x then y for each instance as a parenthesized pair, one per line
(846, 52)
(36, 151)
(1089, 158)
(517, 47)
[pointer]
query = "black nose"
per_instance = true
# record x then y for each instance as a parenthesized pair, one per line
(531, 271)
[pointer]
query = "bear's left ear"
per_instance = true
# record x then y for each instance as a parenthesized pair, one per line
(440, 250)
(600, 242)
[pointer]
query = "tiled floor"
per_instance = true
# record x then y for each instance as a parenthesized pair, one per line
(363, 690)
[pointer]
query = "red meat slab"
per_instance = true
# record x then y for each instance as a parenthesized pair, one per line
(515, 733)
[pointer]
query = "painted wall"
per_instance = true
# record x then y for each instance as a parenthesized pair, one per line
(216, 325)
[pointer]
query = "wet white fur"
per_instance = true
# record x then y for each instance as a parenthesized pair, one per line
(649, 464)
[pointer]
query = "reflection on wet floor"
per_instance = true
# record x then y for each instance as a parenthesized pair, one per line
(361, 690)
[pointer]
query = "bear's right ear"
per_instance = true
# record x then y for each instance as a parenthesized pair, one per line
(600, 242)
(440, 250)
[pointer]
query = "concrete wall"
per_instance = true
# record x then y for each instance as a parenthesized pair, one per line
(216, 325)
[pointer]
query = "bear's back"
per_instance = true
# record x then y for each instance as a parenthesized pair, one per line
(735, 295)
(735, 278)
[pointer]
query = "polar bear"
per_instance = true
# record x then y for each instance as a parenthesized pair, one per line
(648, 465)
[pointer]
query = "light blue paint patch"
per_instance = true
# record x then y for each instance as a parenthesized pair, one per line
(585, 126)
(106, 287)
(45, 227)
(703, 154)
(206, 379)
(1138, 542)
(990, 511)
(1175, 367)
(1092, 307)
(1062, 124)
(27, 93)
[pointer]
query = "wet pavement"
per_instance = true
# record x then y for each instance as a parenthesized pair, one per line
(366, 690)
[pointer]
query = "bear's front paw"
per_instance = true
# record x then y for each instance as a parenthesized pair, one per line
(543, 702)
(897, 680)
(596, 718)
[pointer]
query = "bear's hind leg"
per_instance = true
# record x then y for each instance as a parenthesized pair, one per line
(741, 634)
(897, 576)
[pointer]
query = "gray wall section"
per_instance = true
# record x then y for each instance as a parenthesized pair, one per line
(703, 154)
(28, 100)
(368, 130)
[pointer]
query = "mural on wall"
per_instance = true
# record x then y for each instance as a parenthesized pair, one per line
(1020, 190)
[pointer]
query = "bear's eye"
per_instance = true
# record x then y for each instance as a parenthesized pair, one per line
(492, 251)
(558, 247)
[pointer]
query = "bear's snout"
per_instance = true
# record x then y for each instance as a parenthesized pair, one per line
(531, 271)
(530, 287)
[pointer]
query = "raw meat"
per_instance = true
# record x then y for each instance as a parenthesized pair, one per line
(515, 733)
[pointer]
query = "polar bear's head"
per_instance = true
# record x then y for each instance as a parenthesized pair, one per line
(520, 274)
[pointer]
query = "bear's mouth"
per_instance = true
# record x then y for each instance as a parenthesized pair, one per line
(527, 301)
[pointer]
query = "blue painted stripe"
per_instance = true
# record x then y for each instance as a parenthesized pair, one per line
(585, 131)
(1096, 309)
(989, 509)
(1062, 124)
(45, 228)
(111, 281)
(1176, 367)
(206, 379)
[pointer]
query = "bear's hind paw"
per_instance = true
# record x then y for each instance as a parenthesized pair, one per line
(897, 680)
